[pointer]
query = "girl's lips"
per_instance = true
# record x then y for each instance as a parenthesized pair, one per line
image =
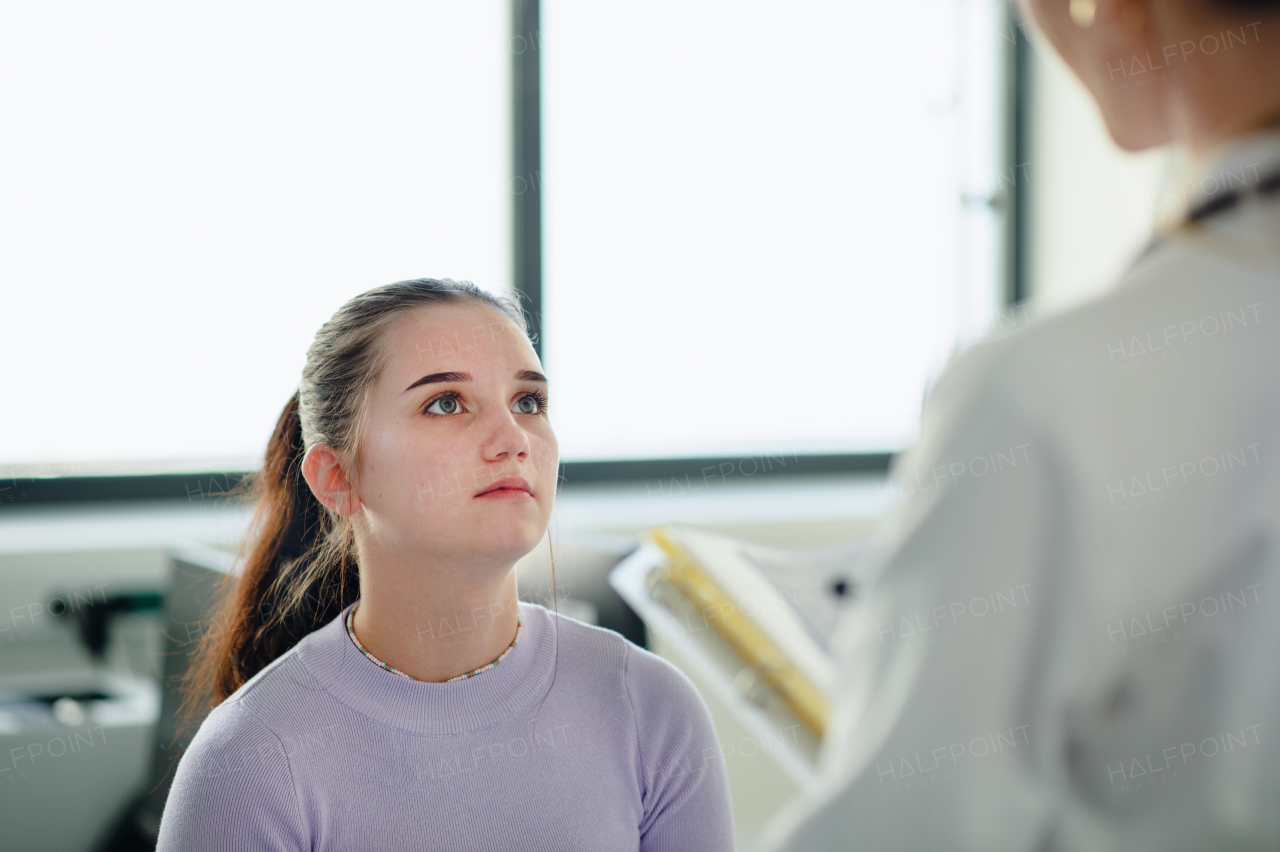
(506, 494)
(508, 483)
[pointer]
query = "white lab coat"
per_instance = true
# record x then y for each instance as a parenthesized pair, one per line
(1074, 640)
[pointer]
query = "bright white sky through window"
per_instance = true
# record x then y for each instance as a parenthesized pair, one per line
(754, 235)
(191, 189)
(755, 239)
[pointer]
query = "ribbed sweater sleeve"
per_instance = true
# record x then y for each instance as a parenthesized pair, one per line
(684, 785)
(233, 790)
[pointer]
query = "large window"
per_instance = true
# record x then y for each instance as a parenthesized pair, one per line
(765, 224)
(191, 189)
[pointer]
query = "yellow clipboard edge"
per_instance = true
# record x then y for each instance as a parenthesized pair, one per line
(682, 572)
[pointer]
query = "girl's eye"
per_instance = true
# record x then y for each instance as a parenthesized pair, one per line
(534, 402)
(448, 404)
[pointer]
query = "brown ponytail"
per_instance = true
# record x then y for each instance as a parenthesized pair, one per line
(298, 563)
(277, 597)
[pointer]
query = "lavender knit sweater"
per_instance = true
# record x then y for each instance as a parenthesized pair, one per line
(577, 742)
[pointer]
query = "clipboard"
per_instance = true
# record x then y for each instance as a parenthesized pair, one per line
(755, 622)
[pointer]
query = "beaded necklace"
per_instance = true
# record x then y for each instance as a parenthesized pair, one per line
(351, 631)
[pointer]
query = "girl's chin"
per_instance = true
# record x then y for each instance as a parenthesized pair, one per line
(506, 537)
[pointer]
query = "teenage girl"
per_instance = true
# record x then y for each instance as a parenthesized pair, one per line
(377, 682)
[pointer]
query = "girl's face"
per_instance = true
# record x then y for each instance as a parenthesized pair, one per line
(459, 408)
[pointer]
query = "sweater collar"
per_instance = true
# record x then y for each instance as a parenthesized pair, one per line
(433, 709)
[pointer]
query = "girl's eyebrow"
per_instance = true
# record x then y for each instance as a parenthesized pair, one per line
(439, 376)
(522, 375)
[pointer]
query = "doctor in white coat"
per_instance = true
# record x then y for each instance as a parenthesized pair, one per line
(1074, 639)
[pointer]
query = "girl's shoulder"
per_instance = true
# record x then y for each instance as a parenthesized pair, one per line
(678, 762)
(653, 686)
(579, 642)
(235, 772)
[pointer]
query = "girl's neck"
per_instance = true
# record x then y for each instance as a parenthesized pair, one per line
(431, 629)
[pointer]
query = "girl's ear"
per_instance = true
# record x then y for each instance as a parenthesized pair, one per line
(323, 471)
